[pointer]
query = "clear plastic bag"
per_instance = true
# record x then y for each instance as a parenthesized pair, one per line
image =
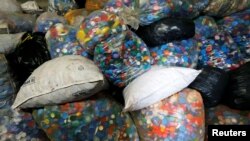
(61, 40)
(122, 58)
(176, 118)
(18, 22)
(61, 7)
(221, 8)
(46, 20)
(150, 11)
(10, 6)
(92, 5)
(75, 17)
(178, 53)
(205, 27)
(97, 118)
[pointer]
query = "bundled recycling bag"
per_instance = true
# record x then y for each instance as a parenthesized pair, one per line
(7, 84)
(30, 53)
(205, 27)
(221, 8)
(211, 83)
(61, 7)
(18, 125)
(122, 60)
(177, 53)
(96, 118)
(17, 22)
(179, 117)
(238, 25)
(238, 94)
(220, 52)
(61, 40)
(75, 17)
(223, 115)
(166, 30)
(149, 11)
(46, 20)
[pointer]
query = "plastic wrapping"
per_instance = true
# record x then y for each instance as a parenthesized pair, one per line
(221, 8)
(166, 30)
(10, 6)
(61, 7)
(223, 115)
(238, 25)
(179, 117)
(205, 27)
(99, 26)
(122, 60)
(75, 17)
(220, 52)
(92, 5)
(8, 42)
(97, 118)
(18, 22)
(46, 20)
(238, 94)
(17, 125)
(178, 53)
(61, 40)
(152, 10)
(211, 83)
(30, 53)
(7, 84)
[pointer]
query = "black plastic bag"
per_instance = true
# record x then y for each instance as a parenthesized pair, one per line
(30, 53)
(238, 94)
(211, 83)
(166, 30)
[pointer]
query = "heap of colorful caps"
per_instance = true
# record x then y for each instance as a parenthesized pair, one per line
(220, 52)
(61, 6)
(122, 60)
(46, 20)
(238, 26)
(97, 27)
(97, 118)
(61, 40)
(179, 117)
(17, 125)
(205, 27)
(178, 53)
(153, 10)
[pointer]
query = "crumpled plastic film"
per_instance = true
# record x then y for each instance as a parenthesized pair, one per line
(220, 52)
(221, 8)
(46, 20)
(238, 25)
(62, 41)
(97, 118)
(179, 117)
(61, 7)
(223, 115)
(178, 53)
(17, 125)
(153, 10)
(205, 27)
(97, 27)
(122, 60)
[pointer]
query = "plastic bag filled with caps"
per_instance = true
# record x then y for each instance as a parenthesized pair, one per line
(223, 115)
(97, 118)
(149, 11)
(7, 84)
(75, 17)
(19, 126)
(220, 52)
(221, 8)
(61, 7)
(18, 22)
(205, 27)
(122, 60)
(61, 40)
(179, 117)
(178, 53)
(92, 5)
(238, 25)
(46, 20)
(99, 26)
